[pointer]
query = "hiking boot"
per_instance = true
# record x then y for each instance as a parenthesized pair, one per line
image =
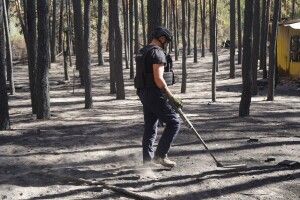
(166, 162)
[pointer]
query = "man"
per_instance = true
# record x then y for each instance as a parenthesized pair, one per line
(156, 97)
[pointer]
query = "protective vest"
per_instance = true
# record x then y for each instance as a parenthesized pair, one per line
(146, 80)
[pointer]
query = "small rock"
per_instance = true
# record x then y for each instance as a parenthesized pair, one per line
(252, 140)
(270, 159)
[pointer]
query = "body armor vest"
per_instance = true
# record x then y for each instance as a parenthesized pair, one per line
(146, 80)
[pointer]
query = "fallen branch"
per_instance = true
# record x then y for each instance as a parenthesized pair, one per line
(105, 185)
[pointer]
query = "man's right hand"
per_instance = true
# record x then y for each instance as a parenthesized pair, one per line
(176, 101)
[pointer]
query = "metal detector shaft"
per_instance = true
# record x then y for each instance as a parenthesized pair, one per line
(187, 121)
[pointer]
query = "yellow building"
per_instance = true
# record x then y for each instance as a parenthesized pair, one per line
(288, 48)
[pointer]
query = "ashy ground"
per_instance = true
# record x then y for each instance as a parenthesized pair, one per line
(59, 158)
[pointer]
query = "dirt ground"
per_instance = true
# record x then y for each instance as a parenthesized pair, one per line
(44, 159)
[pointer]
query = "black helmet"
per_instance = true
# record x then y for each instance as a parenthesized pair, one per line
(161, 31)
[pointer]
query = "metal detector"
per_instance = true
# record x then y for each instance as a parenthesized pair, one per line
(190, 125)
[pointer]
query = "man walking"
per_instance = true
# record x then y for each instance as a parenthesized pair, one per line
(153, 91)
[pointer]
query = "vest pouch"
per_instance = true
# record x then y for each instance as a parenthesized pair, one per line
(169, 78)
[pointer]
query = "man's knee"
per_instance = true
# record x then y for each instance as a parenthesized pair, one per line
(174, 123)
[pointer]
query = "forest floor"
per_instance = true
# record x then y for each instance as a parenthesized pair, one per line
(46, 159)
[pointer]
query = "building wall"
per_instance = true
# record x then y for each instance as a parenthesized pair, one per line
(283, 52)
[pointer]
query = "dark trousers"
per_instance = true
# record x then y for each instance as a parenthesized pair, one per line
(156, 106)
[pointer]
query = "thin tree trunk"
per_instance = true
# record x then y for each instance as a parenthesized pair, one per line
(189, 27)
(272, 60)
(136, 26)
(19, 14)
(210, 26)
(264, 38)
(4, 111)
(245, 102)
(165, 13)
(65, 56)
(78, 30)
(112, 52)
(70, 27)
(214, 51)
(177, 26)
(100, 33)
(60, 31)
(255, 48)
(125, 18)
(10, 74)
(32, 50)
(293, 9)
(116, 48)
(154, 15)
(43, 61)
(232, 39)
(175, 29)
(195, 32)
(131, 70)
(239, 31)
(87, 57)
(203, 26)
(184, 47)
(143, 23)
(53, 35)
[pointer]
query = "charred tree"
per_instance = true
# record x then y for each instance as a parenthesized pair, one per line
(53, 35)
(188, 27)
(86, 55)
(184, 47)
(239, 24)
(272, 59)
(143, 23)
(154, 15)
(4, 111)
(255, 48)
(195, 31)
(32, 50)
(78, 30)
(10, 72)
(60, 30)
(125, 18)
(232, 39)
(43, 61)
(100, 32)
(245, 102)
(175, 29)
(131, 70)
(214, 50)
(203, 26)
(136, 26)
(264, 37)
(115, 48)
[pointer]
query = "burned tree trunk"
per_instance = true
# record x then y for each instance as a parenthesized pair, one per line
(32, 50)
(100, 32)
(4, 114)
(43, 61)
(245, 102)
(184, 47)
(86, 56)
(53, 35)
(272, 63)
(232, 39)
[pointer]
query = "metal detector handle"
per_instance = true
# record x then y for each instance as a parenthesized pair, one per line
(187, 121)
